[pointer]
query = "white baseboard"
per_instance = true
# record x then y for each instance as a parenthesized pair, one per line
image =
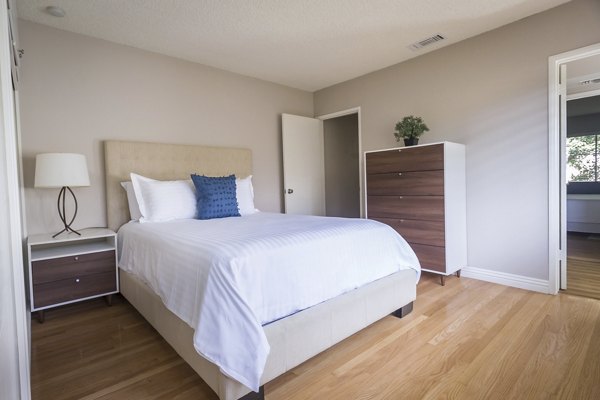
(502, 278)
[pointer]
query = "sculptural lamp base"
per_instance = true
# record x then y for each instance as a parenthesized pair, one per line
(62, 211)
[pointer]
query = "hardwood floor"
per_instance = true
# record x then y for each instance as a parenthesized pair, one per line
(90, 351)
(583, 265)
(467, 340)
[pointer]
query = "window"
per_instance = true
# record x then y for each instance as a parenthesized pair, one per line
(582, 158)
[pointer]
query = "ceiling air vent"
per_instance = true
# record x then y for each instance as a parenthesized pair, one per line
(426, 42)
(590, 81)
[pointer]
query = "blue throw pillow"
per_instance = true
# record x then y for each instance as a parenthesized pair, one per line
(215, 197)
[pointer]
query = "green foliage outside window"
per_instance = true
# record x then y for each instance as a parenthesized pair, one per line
(582, 158)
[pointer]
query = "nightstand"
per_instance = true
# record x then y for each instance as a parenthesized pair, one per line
(71, 268)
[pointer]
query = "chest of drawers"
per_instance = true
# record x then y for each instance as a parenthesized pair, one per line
(420, 192)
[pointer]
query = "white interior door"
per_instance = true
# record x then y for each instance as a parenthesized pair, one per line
(303, 165)
(562, 104)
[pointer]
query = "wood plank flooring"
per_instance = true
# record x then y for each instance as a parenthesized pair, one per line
(583, 265)
(467, 340)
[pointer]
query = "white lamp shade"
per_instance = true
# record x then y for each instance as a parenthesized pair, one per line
(54, 170)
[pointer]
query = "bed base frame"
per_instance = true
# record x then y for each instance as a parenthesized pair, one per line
(403, 311)
(293, 339)
(260, 395)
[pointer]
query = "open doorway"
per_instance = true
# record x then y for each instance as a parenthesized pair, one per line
(322, 164)
(342, 173)
(583, 177)
(573, 171)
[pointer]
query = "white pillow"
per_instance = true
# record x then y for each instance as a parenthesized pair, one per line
(134, 209)
(245, 195)
(164, 200)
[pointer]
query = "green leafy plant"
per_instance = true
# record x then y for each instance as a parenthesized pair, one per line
(410, 127)
(583, 155)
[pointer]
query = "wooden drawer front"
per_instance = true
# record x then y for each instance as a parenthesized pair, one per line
(418, 231)
(78, 287)
(428, 183)
(430, 257)
(423, 158)
(429, 208)
(66, 267)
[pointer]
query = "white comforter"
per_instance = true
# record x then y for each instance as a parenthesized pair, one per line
(228, 277)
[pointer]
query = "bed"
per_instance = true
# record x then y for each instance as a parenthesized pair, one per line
(293, 339)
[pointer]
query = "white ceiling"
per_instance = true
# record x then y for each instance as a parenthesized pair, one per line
(583, 70)
(306, 44)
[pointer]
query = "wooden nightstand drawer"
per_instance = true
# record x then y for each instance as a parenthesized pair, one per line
(420, 158)
(74, 288)
(66, 267)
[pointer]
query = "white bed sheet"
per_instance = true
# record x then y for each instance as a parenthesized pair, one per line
(227, 277)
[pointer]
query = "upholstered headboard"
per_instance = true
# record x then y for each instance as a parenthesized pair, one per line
(164, 162)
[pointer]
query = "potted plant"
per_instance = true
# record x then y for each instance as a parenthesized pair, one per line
(409, 129)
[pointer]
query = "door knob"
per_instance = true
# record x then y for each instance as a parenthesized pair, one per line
(290, 191)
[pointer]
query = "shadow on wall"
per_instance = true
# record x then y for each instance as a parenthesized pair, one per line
(28, 171)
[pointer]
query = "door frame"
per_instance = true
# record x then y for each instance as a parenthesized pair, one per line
(12, 230)
(350, 111)
(556, 164)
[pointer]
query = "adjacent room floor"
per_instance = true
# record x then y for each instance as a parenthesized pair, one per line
(469, 339)
(583, 264)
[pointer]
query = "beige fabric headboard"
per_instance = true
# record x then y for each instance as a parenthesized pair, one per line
(164, 162)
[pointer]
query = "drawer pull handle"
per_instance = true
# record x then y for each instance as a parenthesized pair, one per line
(77, 258)
(399, 150)
(399, 173)
(400, 197)
(77, 280)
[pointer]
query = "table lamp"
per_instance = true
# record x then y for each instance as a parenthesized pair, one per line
(62, 170)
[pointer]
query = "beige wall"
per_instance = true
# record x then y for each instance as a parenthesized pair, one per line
(77, 91)
(490, 93)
